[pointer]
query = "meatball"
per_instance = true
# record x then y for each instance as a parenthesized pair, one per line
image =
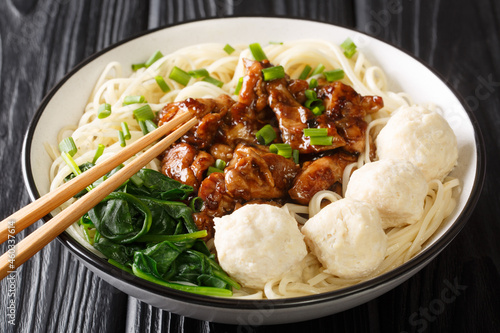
(422, 137)
(396, 188)
(347, 237)
(258, 243)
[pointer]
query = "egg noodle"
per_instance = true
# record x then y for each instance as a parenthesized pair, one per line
(308, 277)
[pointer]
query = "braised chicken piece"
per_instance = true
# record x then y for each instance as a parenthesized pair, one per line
(255, 173)
(319, 175)
(217, 202)
(253, 90)
(184, 163)
(348, 109)
(222, 152)
(204, 222)
(293, 118)
(211, 113)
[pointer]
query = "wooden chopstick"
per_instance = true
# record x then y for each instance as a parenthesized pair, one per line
(31, 213)
(55, 226)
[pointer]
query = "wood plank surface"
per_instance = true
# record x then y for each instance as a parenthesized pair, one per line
(40, 41)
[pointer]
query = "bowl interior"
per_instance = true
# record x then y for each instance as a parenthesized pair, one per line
(65, 103)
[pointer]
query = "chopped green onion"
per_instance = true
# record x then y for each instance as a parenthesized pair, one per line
(134, 100)
(311, 103)
(157, 55)
(220, 164)
(305, 72)
(238, 86)
(334, 75)
(266, 135)
(150, 125)
(162, 84)
(295, 155)
(137, 66)
(121, 139)
(144, 113)
(104, 110)
(98, 153)
(73, 166)
(196, 204)
(282, 149)
(137, 180)
(276, 43)
(228, 48)
(142, 125)
(321, 140)
(67, 145)
(315, 131)
(257, 52)
(198, 73)
(310, 94)
(318, 70)
(318, 110)
(273, 73)
(126, 131)
(349, 47)
(180, 76)
(213, 81)
(313, 83)
(213, 169)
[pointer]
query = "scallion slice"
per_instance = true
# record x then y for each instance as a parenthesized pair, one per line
(310, 94)
(295, 155)
(238, 86)
(321, 140)
(198, 73)
(282, 149)
(144, 113)
(196, 204)
(157, 55)
(266, 135)
(273, 73)
(126, 131)
(220, 164)
(257, 52)
(315, 131)
(162, 84)
(121, 139)
(142, 125)
(212, 169)
(318, 110)
(213, 81)
(137, 180)
(150, 125)
(334, 75)
(313, 83)
(104, 110)
(228, 48)
(305, 72)
(73, 166)
(134, 100)
(67, 145)
(180, 76)
(137, 66)
(349, 47)
(98, 152)
(318, 70)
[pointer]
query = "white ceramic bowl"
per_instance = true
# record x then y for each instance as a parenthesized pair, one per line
(65, 103)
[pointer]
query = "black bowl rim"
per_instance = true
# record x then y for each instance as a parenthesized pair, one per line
(241, 304)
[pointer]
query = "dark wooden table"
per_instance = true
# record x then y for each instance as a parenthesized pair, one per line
(40, 41)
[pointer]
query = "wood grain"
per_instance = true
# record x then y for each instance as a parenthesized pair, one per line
(40, 41)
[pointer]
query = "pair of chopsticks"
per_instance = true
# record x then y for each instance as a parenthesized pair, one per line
(31, 213)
